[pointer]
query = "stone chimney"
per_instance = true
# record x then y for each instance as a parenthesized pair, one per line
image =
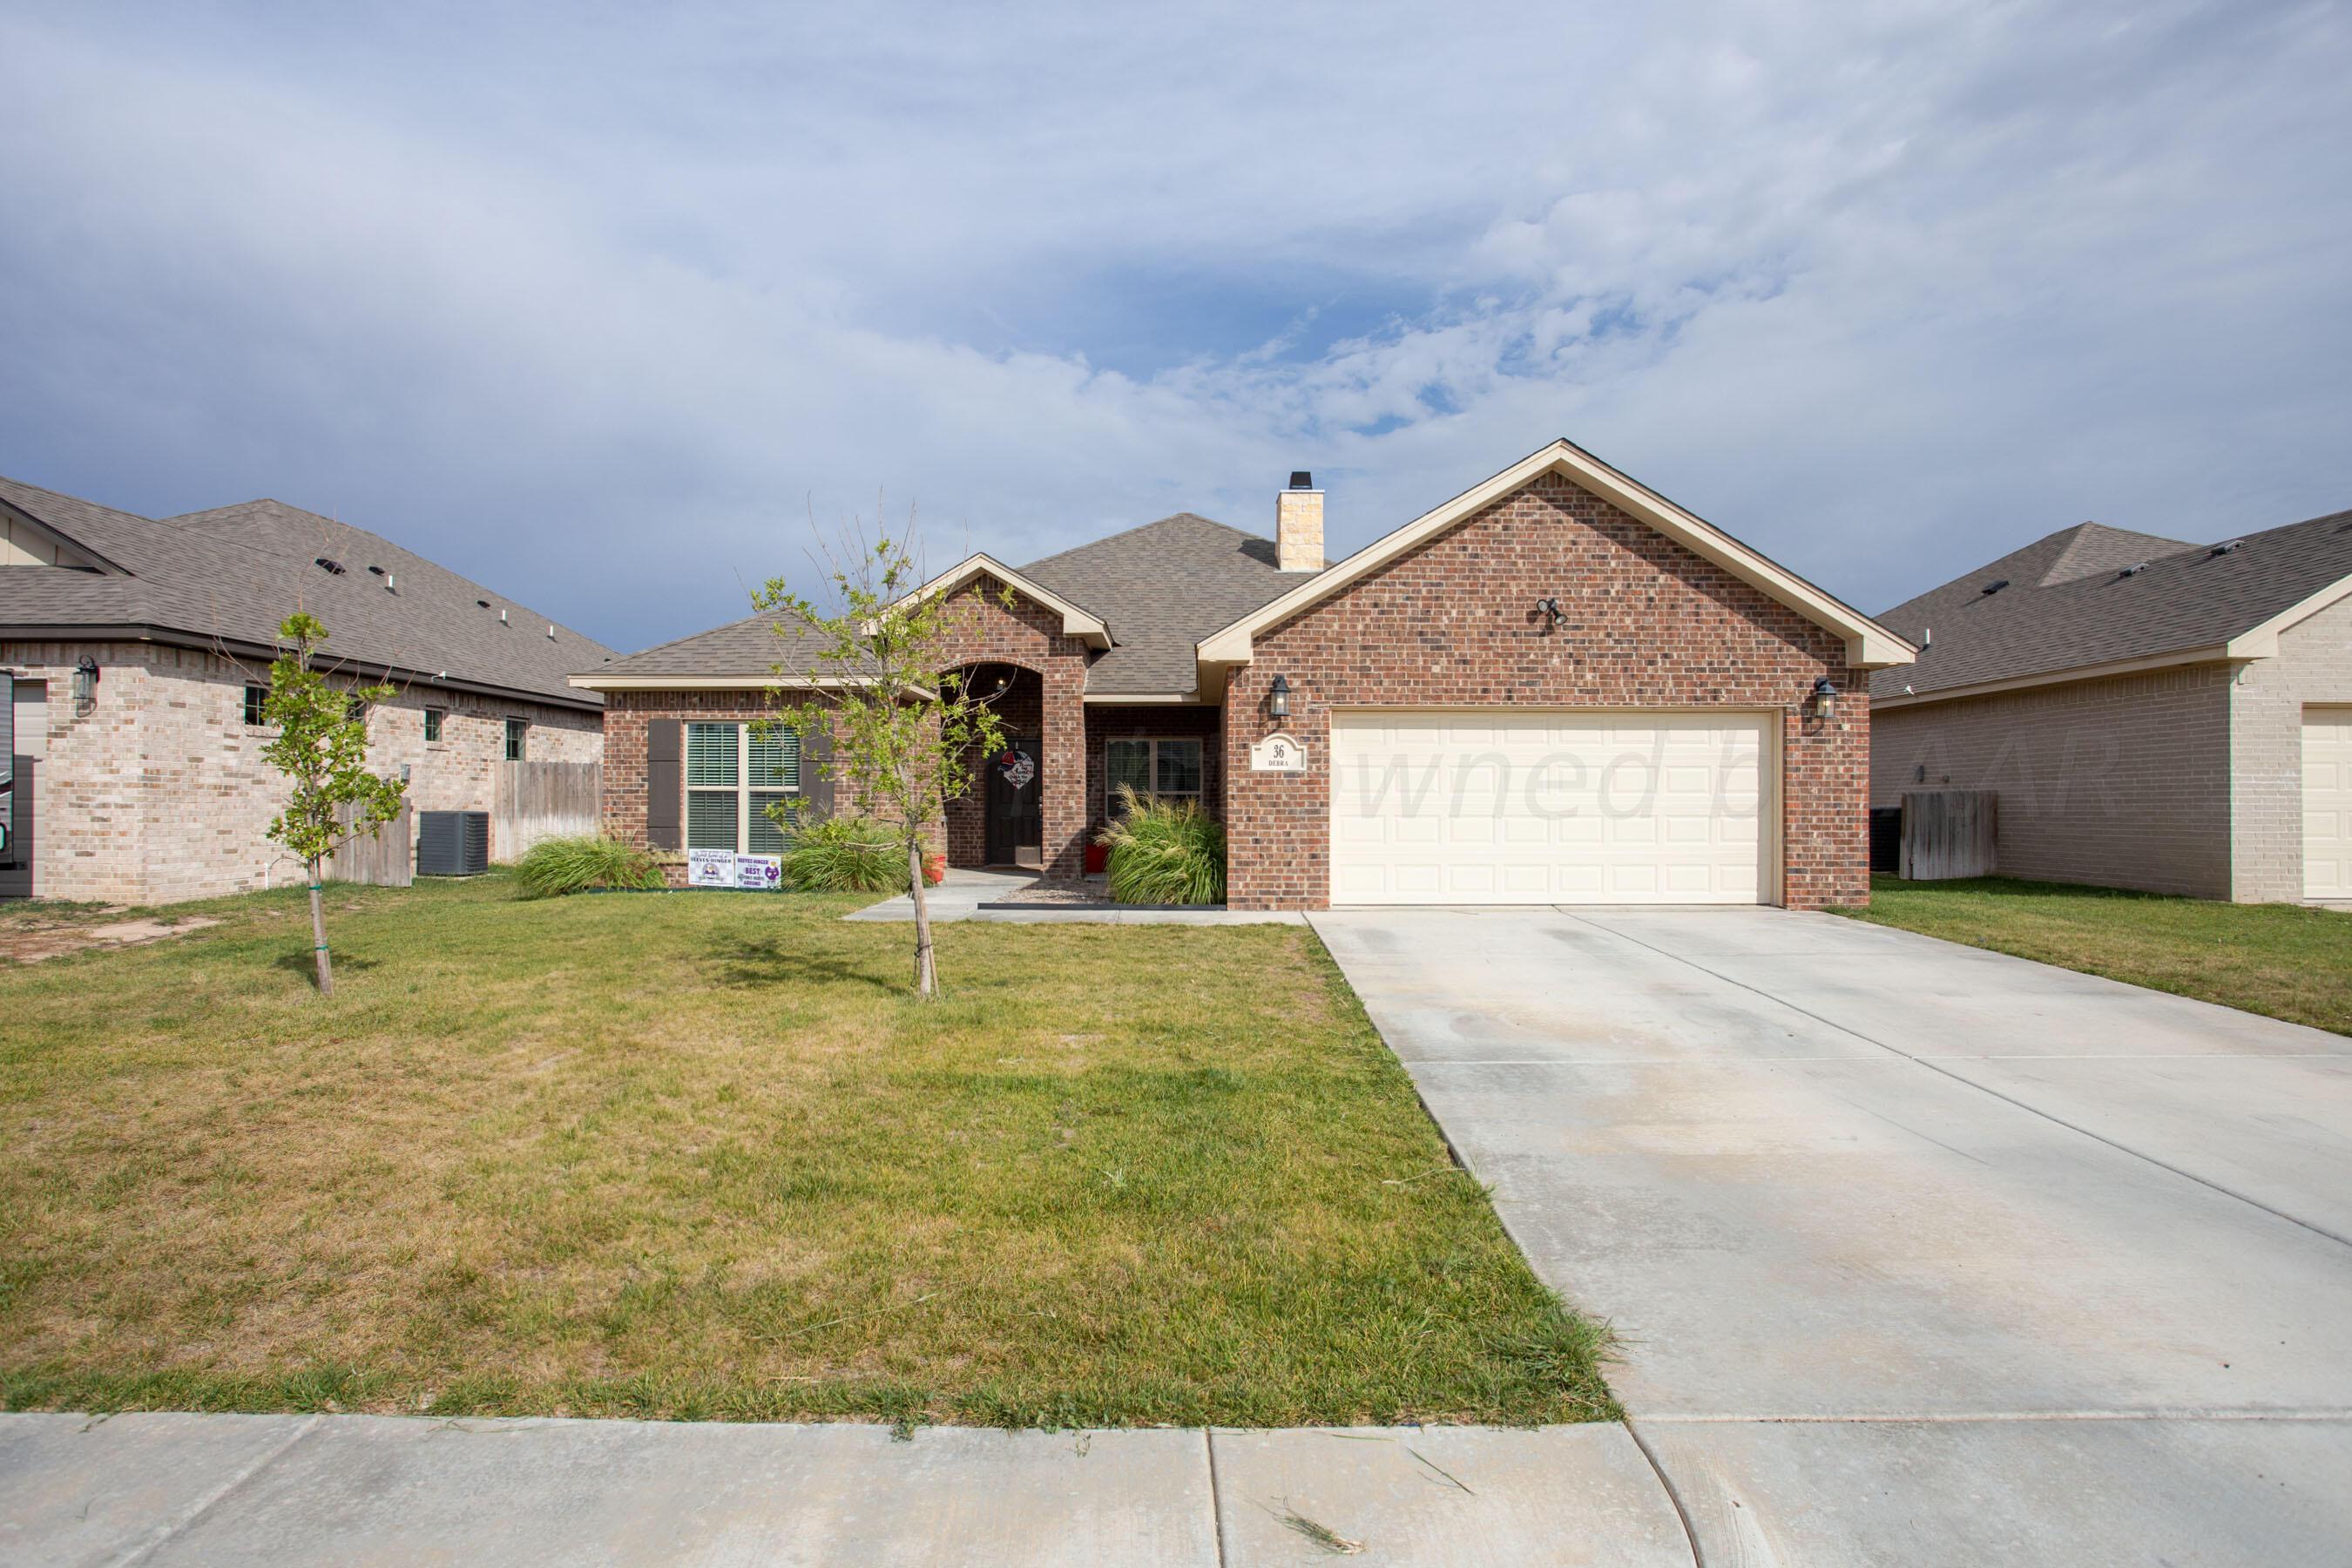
(1298, 525)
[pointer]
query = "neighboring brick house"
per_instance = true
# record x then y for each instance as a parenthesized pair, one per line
(1559, 686)
(2152, 713)
(131, 648)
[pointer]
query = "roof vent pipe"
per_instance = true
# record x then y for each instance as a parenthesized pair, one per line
(2227, 545)
(551, 631)
(502, 617)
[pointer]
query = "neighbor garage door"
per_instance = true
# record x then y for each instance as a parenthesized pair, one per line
(1535, 806)
(2328, 803)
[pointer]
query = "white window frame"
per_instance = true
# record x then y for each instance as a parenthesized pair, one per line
(742, 789)
(1110, 788)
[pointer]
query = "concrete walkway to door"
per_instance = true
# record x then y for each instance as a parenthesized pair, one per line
(1918, 1253)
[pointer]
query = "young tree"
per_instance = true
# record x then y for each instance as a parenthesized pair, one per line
(322, 748)
(905, 725)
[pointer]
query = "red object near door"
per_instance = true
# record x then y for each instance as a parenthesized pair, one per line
(935, 869)
(1097, 859)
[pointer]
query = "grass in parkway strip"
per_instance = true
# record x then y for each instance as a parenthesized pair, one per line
(699, 1156)
(2286, 961)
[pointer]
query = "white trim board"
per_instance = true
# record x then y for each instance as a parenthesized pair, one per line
(1076, 622)
(1869, 646)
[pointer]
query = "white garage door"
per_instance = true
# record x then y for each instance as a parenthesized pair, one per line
(2328, 803)
(1541, 806)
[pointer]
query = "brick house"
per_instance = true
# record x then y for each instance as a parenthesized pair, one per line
(131, 650)
(2153, 714)
(1557, 686)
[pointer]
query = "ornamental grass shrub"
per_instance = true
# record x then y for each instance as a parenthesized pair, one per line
(1165, 852)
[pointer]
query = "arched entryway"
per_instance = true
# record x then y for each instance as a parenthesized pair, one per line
(1000, 820)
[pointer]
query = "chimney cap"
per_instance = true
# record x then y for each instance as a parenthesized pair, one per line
(1301, 479)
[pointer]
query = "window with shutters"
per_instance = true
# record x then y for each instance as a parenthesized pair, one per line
(734, 773)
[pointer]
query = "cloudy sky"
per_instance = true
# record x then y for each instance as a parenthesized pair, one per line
(602, 308)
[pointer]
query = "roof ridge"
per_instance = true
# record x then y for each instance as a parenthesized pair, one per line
(1143, 527)
(2089, 551)
(706, 631)
(215, 539)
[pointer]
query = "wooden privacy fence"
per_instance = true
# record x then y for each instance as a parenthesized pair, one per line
(542, 800)
(1948, 833)
(386, 860)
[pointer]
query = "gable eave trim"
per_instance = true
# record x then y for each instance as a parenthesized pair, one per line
(1869, 646)
(1077, 620)
(2262, 641)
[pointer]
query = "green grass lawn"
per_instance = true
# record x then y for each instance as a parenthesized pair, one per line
(2285, 959)
(699, 1155)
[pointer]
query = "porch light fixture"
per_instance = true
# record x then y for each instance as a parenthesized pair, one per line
(1277, 696)
(85, 686)
(1825, 697)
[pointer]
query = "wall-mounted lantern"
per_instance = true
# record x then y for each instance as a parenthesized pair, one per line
(85, 685)
(1825, 700)
(1277, 696)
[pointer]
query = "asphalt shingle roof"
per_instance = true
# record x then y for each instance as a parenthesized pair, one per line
(232, 574)
(2070, 602)
(755, 645)
(1162, 588)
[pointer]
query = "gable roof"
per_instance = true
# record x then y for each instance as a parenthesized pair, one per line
(1868, 644)
(2089, 599)
(1162, 587)
(1077, 621)
(228, 576)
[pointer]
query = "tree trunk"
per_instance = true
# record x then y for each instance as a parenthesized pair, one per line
(927, 975)
(318, 933)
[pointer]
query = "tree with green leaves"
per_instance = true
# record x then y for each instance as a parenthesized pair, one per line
(906, 727)
(322, 748)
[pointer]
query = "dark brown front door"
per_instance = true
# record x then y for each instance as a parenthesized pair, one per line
(1016, 818)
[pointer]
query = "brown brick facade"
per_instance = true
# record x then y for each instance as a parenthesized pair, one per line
(1026, 635)
(1648, 624)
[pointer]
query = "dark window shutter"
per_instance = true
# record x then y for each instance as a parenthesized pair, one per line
(816, 771)
(663, 810)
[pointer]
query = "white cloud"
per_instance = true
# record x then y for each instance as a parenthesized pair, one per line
(599, 310)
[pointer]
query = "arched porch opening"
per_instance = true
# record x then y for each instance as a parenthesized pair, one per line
(999, 820)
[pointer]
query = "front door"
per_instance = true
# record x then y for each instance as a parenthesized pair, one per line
(1016, 818)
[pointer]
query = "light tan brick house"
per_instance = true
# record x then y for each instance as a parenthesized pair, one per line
(132, 649)
(2153, 714)
(1557, 686)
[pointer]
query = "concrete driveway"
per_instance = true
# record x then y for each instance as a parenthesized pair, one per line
(1918, 1253)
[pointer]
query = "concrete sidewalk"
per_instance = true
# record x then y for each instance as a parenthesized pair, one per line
(171, 1489)
(959, 897)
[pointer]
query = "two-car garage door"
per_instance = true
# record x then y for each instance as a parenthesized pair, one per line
(1544, 806)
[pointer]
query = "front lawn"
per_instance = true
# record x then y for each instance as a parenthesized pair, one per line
(699, 1155)
(2285, 959)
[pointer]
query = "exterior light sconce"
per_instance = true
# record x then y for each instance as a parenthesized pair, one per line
(1278, 697)
(1551, 611)
(1825, 700)
(85, 685)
